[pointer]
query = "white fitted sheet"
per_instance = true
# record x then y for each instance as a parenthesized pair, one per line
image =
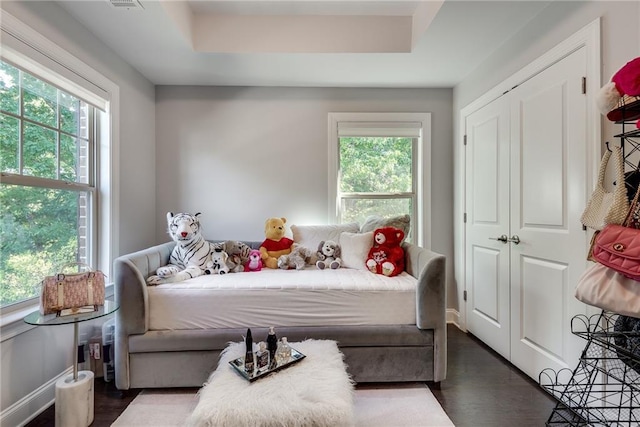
(308, 297)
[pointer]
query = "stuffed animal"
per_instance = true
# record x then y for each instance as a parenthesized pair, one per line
(386, 256)
(298, 258)
(255, 261)
(329, 253)
(275, 243)
(626, 81)
(191, 253)
(238, 254)
(218, 263)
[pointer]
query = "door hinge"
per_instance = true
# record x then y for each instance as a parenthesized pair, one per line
(464, 140)
(464, 217)
(584, 85)
(464, 295)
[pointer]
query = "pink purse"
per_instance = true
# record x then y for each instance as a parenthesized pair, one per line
(618, 247)
(71, 292)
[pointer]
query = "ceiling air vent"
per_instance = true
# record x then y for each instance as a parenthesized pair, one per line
(126, 4)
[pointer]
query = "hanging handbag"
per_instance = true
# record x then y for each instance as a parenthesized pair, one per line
(618, 246)
(605, 288)
(68, 293)
(607, 207)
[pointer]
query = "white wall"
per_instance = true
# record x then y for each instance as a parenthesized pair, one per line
(620, 36)
(30, 359)
(620, 44)
(240, 155)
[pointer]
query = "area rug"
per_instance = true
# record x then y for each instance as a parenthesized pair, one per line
(397, 405)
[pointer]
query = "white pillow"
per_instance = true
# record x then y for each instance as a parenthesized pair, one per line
(310, 236)
(373, 222)
(355, 249)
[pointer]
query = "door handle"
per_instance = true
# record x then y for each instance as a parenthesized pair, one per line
(515, 239)
(503, 238)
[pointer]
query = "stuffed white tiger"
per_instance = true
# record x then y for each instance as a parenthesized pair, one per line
(190, 255)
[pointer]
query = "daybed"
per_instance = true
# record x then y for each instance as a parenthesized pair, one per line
(172, 335)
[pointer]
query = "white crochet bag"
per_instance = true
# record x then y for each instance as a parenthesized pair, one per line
(607, 207)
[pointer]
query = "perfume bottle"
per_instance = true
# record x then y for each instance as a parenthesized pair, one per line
(283, 353)
(262, 356)
(272, 344)
(248, 356)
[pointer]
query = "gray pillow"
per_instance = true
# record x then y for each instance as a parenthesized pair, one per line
(403, 222)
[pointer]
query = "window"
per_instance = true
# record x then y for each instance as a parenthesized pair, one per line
(377, 167)
(58, 174)
(48, 193)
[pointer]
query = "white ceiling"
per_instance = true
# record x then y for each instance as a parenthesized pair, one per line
(358, 43)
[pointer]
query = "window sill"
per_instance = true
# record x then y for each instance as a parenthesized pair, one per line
(12, 324)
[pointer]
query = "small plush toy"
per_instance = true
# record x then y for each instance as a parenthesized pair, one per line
(275, 243)
(626, 81)
(218, 263)
(254, 263)
(298, 258)
(386, 256)
(329, 253)
(238, 254)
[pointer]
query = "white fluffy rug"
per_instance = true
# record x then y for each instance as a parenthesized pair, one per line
(394, 405)
(316, 391)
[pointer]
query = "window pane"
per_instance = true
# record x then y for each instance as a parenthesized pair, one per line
(69, 114)
(378, 165)
(39, 232)
(357, 210)
(9, 88)
(9, 142)
(39, 152)
(73, 159)
(40, 100)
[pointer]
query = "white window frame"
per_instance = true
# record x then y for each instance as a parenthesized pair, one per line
(36, 54)
(421, 225)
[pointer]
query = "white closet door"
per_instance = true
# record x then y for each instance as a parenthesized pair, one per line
(487, 193)
(548, 184)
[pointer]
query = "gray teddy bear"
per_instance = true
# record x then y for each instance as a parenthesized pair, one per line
(329, 253)
(298, 258)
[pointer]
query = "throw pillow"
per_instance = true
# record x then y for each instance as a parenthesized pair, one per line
(355, 249)
(373, 222)
(310, 236)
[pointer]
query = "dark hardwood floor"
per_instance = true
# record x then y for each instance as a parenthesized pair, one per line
(481, 389)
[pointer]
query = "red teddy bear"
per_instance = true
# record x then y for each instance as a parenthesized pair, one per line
(386, 256)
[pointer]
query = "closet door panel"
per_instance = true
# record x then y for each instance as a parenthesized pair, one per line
(541, 286)
(548, 180)
(487, 259)
(543, 153)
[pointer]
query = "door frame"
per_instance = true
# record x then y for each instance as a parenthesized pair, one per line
(588, 37)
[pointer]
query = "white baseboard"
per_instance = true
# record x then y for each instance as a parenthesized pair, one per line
(33, 404)
(453, 316)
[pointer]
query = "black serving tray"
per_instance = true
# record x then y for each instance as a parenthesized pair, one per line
(238, 365)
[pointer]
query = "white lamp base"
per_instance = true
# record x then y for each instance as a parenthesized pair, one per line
(74, 400)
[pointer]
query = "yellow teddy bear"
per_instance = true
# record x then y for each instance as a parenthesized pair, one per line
(275, 243)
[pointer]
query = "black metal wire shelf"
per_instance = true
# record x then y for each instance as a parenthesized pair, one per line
(604, 389)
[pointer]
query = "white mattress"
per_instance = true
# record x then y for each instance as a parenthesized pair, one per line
(308, 297)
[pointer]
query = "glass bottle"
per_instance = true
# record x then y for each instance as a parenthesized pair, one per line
(262, 357)
(283, 354)
(272, 344)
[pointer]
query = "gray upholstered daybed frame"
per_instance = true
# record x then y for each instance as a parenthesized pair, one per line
(185, 358)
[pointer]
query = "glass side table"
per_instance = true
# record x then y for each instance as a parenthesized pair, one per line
(74, 392)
